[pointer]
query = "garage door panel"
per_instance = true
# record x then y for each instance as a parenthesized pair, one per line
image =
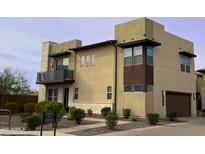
(178, 102)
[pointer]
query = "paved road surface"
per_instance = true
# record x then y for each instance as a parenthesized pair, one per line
(193, 127)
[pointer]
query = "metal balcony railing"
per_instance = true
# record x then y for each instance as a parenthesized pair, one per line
(56, 76)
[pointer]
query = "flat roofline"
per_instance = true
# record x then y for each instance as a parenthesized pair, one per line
(201, 70)
(59, 54)
(188, 54)
(139, 42)
(95, 45)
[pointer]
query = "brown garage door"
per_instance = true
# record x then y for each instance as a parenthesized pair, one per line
(178, 102)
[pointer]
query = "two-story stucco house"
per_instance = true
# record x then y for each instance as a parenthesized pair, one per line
(143, 68)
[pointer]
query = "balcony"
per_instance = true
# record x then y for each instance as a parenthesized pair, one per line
(56, 76)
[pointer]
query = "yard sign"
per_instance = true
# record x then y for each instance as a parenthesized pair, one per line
(48, 117)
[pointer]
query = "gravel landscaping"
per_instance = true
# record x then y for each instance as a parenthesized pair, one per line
(17, 124)
(142, 123)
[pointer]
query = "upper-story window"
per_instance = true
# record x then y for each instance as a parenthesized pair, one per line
(138, 58)
(128, 56)
(87, 61)
(82, 61)
(93, 60)
(150, 55)
(61, 63)
(185, 64)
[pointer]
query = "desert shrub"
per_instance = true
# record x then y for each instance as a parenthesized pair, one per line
(79, 114)
(33, 121)
(71, 113)
(172, 116)
(23, 116)
(54, 107)
(111, 120)
(90, 112)
(203, 110)
(13, 106)
(202, 114)
(29, 107)
(105, 111)
(39, 108)
(126, 113)
(153, 118)
(133, 117)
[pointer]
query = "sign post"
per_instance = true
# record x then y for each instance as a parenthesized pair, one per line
(48, 117)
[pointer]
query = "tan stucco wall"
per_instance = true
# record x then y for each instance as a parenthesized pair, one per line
(92, 81)
(167, 74)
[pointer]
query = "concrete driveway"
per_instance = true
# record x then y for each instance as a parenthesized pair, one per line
(192, 127)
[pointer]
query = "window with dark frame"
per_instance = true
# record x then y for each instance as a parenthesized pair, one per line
(128, 56)
(138, 88)
(76, 93)
(53, 94)
(109, 92)
(185, 64)
(128, 88)
(150, 55)
(138, 57)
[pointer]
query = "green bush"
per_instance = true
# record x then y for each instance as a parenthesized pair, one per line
(71, 113)
(39, 108)
(153, 118)
(172, 116)
(133, 117)
(13, 106)
(105, 111)
(33, 121)
(126, 113)
(55, 107)
(203, 110)
(90, 112)
(29, 107)
(111, 120)
(23, 116)
(49, 106)
(202, 114)
(79, 114)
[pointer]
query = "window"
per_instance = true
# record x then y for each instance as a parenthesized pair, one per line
(138, 58)
(150, 55)
(93, 60)
(82, 61)
(138, 87)
(185, 64)
(127, 88)
(149, 88)
(53, 94)
(109, 92)
(88, 62)
(76, 93)
(128, 56)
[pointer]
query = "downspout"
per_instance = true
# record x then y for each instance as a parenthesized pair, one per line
(115, 78)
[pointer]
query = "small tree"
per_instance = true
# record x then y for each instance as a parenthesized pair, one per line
(14, 82)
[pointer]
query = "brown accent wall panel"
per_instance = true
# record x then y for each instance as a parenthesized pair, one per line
(134, 74)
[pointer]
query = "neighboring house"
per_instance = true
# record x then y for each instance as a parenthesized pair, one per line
(144, 68)
(200, 92)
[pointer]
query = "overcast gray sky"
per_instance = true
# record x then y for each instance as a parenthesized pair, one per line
(21, 38)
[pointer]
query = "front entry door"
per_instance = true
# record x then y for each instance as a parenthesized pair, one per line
(66, 99)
